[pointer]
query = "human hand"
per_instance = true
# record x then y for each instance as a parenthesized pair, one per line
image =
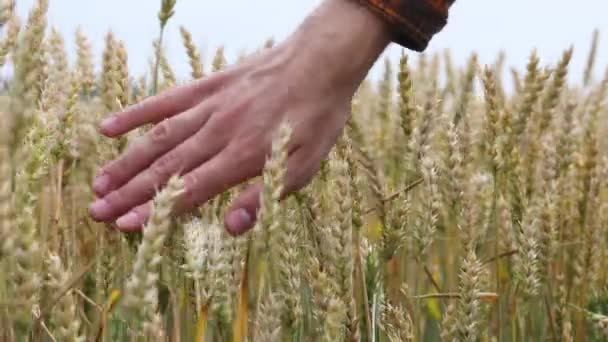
(217, 131)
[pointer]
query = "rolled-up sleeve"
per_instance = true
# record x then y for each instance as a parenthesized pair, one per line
(414, 22)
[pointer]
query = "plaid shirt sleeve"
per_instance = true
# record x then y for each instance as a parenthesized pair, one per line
(415, 22)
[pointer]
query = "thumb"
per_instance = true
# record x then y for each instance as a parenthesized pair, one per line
(242, 214)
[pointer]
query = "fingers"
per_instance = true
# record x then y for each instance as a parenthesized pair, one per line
(194, 151)
(164, 105)
(243, 212)
(158, 141)
(225, 170)
(135, 219)
(217, 175)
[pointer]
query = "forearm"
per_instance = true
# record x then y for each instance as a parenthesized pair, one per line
(344, 38)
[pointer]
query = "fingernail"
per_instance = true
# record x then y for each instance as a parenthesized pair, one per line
(101, 184)
(99, 209)
(238, 221)
(129, 221)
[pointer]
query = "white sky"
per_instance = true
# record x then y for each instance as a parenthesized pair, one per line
(486, 26)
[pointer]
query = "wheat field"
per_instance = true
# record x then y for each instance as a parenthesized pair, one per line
(458, 205)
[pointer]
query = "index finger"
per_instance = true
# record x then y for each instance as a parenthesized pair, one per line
(164, 105)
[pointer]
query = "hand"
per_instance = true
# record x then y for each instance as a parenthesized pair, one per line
(217, 132)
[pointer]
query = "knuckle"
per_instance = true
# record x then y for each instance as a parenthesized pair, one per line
(166, 165)
(250, 160)
(236, 108)
(134, 113)
(150, 190)
(142, 210)
(168, 99)
(243, 153)
(113, 171)
(138, 107)
(191, 182)
(248, 149)
(161, 133)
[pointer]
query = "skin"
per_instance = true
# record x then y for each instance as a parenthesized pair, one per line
(217, 132)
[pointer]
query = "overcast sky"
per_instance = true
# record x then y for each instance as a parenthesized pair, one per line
(486, 26)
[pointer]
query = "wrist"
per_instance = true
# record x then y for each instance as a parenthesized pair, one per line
(342, 39)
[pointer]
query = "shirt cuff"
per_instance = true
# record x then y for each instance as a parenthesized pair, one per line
(413, 22)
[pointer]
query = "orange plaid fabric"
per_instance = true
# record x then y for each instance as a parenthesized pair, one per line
(415, 22)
